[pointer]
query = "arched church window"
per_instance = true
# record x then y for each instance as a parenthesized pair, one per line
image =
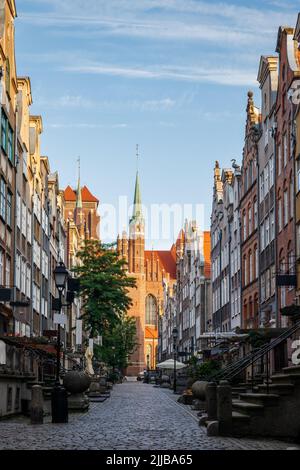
(151, 310)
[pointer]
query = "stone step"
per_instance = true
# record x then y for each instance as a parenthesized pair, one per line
(247, 408)
(239, 389)
(285, 378)
(278, 388)
(236, 416)
(266, 399)
(292, 370)
(97, 399)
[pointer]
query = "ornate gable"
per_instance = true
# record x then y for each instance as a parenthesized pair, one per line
(267, 64)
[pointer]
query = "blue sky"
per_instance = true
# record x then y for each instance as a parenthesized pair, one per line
(170, 75)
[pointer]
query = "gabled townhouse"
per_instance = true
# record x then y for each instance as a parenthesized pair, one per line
(249, 219)
(268, 82)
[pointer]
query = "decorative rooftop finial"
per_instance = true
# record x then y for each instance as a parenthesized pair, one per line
(137, 157)
(79, 197)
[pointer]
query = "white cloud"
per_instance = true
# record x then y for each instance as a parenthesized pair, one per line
(223, 76)
(162, 29)
(69, 101)
(165, 19)
(65, 101)
(212, 116)
(154, 105)
(85, 126)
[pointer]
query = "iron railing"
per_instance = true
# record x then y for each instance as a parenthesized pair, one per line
(236, 368)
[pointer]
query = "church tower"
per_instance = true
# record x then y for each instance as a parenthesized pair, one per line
(78, 208)
(136, 268)
(149, 268)
(137, 234)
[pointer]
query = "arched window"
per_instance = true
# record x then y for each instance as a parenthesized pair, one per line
(250, 174)
(279, 211)
(291, 263)
(250, 308)
(255, 209)
(250, 266)
(245, 311)
(256, 262)
(285, 204)
(151, 310)
(246, 180)
(249, 219)
(255, 305)
(292, 196)
(244, 225)
(245, 271)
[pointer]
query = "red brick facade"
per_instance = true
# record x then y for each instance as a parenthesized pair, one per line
(85, 217)
(249, 220)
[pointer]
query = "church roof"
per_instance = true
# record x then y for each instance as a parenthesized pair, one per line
(70, 194)
(86, 195)
(167, 260)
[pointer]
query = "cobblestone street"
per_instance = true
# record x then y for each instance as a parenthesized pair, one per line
(137, 416)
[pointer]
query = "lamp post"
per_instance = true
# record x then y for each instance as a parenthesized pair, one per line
(60, 276)
(59, 400)
(175, 337)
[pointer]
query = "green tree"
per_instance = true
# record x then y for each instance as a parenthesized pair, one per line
(119, 343)
(204, 370)
(104, 287)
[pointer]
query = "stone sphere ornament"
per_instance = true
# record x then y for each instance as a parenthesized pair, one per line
(199, 389)
(77, 381)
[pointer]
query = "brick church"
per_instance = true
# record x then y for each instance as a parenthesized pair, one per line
(81, 207)
(150, 269)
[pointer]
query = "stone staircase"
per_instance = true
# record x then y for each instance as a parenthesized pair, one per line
(272, 409)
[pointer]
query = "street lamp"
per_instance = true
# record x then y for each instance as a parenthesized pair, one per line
(60, 277)
(175, 337)
(59, 398)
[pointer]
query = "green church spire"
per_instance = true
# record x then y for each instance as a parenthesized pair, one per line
(137, 214)
(137, 203)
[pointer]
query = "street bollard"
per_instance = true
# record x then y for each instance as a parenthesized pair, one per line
(59, 404)
(224, 408)
(211, 401)
(37, 405)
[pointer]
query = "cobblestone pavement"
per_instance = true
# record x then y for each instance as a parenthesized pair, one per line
(136, 416)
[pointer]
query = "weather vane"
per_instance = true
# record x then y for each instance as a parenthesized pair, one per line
(137, 157)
